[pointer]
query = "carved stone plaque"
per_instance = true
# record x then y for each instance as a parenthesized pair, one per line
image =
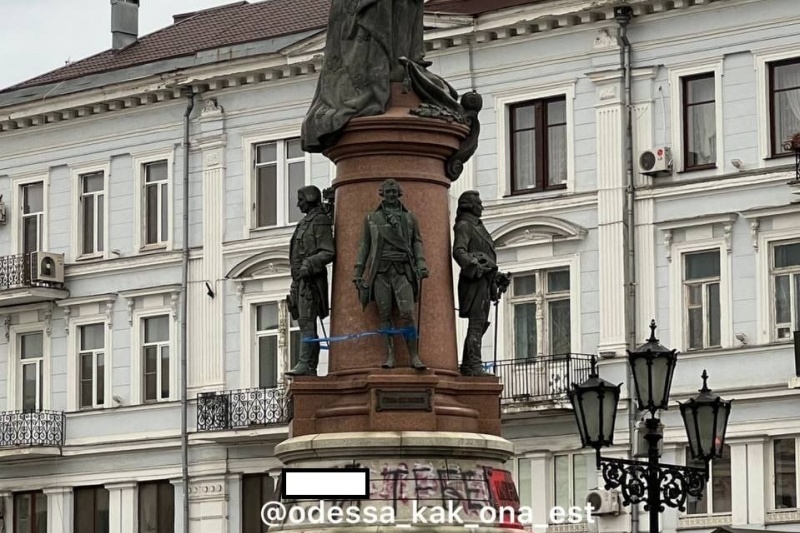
(403, 400)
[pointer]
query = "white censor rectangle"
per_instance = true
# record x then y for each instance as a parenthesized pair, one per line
(323, 483)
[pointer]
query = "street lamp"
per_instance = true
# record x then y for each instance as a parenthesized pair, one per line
(655, 484)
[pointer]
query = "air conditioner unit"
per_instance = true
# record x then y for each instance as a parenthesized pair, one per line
(656, 161)
(47, 267)
(603, 502)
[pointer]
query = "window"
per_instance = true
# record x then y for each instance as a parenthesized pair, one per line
(540, 304)
(784, 102)
(91, 509)
(91, 362)
(156, 204)
(156, 507)
(92, 214)
(784, 455)
(717, 494)
(257, 490)
(32, 217)
(699, 122)
(155, 351)
(269, 317)
(701, 294)
(279, 170)
(786, 288)
(31, 357)
(570, 479)
(538, 145)
(30, 512)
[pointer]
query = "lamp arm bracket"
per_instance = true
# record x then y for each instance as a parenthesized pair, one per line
(633, 478)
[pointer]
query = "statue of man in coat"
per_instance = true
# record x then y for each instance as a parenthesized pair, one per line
(479, 282)
(310, 251)
(391, 254)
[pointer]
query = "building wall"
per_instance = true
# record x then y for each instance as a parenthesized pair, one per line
(128, 441)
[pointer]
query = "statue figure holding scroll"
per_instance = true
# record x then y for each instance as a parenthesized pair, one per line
(479, 282)
(310, 251)
(390, 267)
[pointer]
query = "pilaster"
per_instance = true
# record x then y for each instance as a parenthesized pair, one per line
(205, 291)
(208, 504)
(177, 499)
(645, 247)
(540, 477)
(739, 484)
(756, 483)
(60, 509)
(123, 516)
(611, 210)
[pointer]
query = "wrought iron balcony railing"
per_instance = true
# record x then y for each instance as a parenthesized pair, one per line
(541, 378)
(15, 271)
(31, 428)
(235, 409)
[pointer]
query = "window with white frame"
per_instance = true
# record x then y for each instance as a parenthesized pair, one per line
(156, 203)
(156, 358)
(571, 479)
(784, 102)
(540, 311)
(32, 195)
(91, 364)
(784, 468)
(717, 496)
(279, 169)
(30, 512)
(31, 370)
(92, 213)
(785, 278)
(269, 320)
(701, 299)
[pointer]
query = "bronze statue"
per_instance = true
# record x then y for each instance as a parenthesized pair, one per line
(391, 253)
(310, 251)
(369, 45)
(479, 282)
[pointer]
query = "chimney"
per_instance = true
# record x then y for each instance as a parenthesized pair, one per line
(124, 23)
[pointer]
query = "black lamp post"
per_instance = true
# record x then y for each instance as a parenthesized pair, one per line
(650, 482)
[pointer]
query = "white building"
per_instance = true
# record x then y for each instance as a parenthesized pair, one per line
(92, 160)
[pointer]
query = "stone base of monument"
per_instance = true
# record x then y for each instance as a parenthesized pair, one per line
(419, 479)
(401, 399)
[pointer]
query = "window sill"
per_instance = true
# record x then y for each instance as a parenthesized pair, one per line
(698, 168)
(780, 516)
(784, 155)
(151, 248)
(523, 192)
(90, 258)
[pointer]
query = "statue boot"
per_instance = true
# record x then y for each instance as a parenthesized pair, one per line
(413, 351)
(472, 362)
(389, 363)
(309, 356)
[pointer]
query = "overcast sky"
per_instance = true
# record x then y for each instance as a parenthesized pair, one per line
(41, 35)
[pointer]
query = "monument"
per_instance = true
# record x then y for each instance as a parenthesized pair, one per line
(427, 432)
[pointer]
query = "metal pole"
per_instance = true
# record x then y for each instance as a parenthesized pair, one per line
(496, 313)
(653, 488)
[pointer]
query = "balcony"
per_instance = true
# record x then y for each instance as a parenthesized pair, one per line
(22, 281)
(540, 382)
(31, 433)
(244, 409)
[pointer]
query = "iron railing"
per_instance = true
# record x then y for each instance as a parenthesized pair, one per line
(243, 408)
(15, 271)
(541, 378)
(31, 428)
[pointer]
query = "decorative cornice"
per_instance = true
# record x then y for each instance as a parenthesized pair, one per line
(305, 59)
(703, 220)
(536, 230)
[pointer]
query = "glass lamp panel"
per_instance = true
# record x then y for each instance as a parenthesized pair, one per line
(705, 428)
(719, 432)
(580, 418)
(660, 381)
(609, 415)
(591, 411)
(641, 378)
(690, 421)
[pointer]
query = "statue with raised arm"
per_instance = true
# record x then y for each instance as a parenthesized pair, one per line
(369, 45)
(310, 251)
(390, 266)
(479, 282)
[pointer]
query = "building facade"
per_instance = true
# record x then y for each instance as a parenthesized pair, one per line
(95, 173)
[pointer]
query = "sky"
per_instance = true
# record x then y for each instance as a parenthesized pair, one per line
(42, 35)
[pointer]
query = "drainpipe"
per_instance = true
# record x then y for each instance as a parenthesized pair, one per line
(623, 15)
(184, 282)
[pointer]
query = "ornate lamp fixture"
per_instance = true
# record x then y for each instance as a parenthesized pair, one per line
(706, 419)
(595, 402)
